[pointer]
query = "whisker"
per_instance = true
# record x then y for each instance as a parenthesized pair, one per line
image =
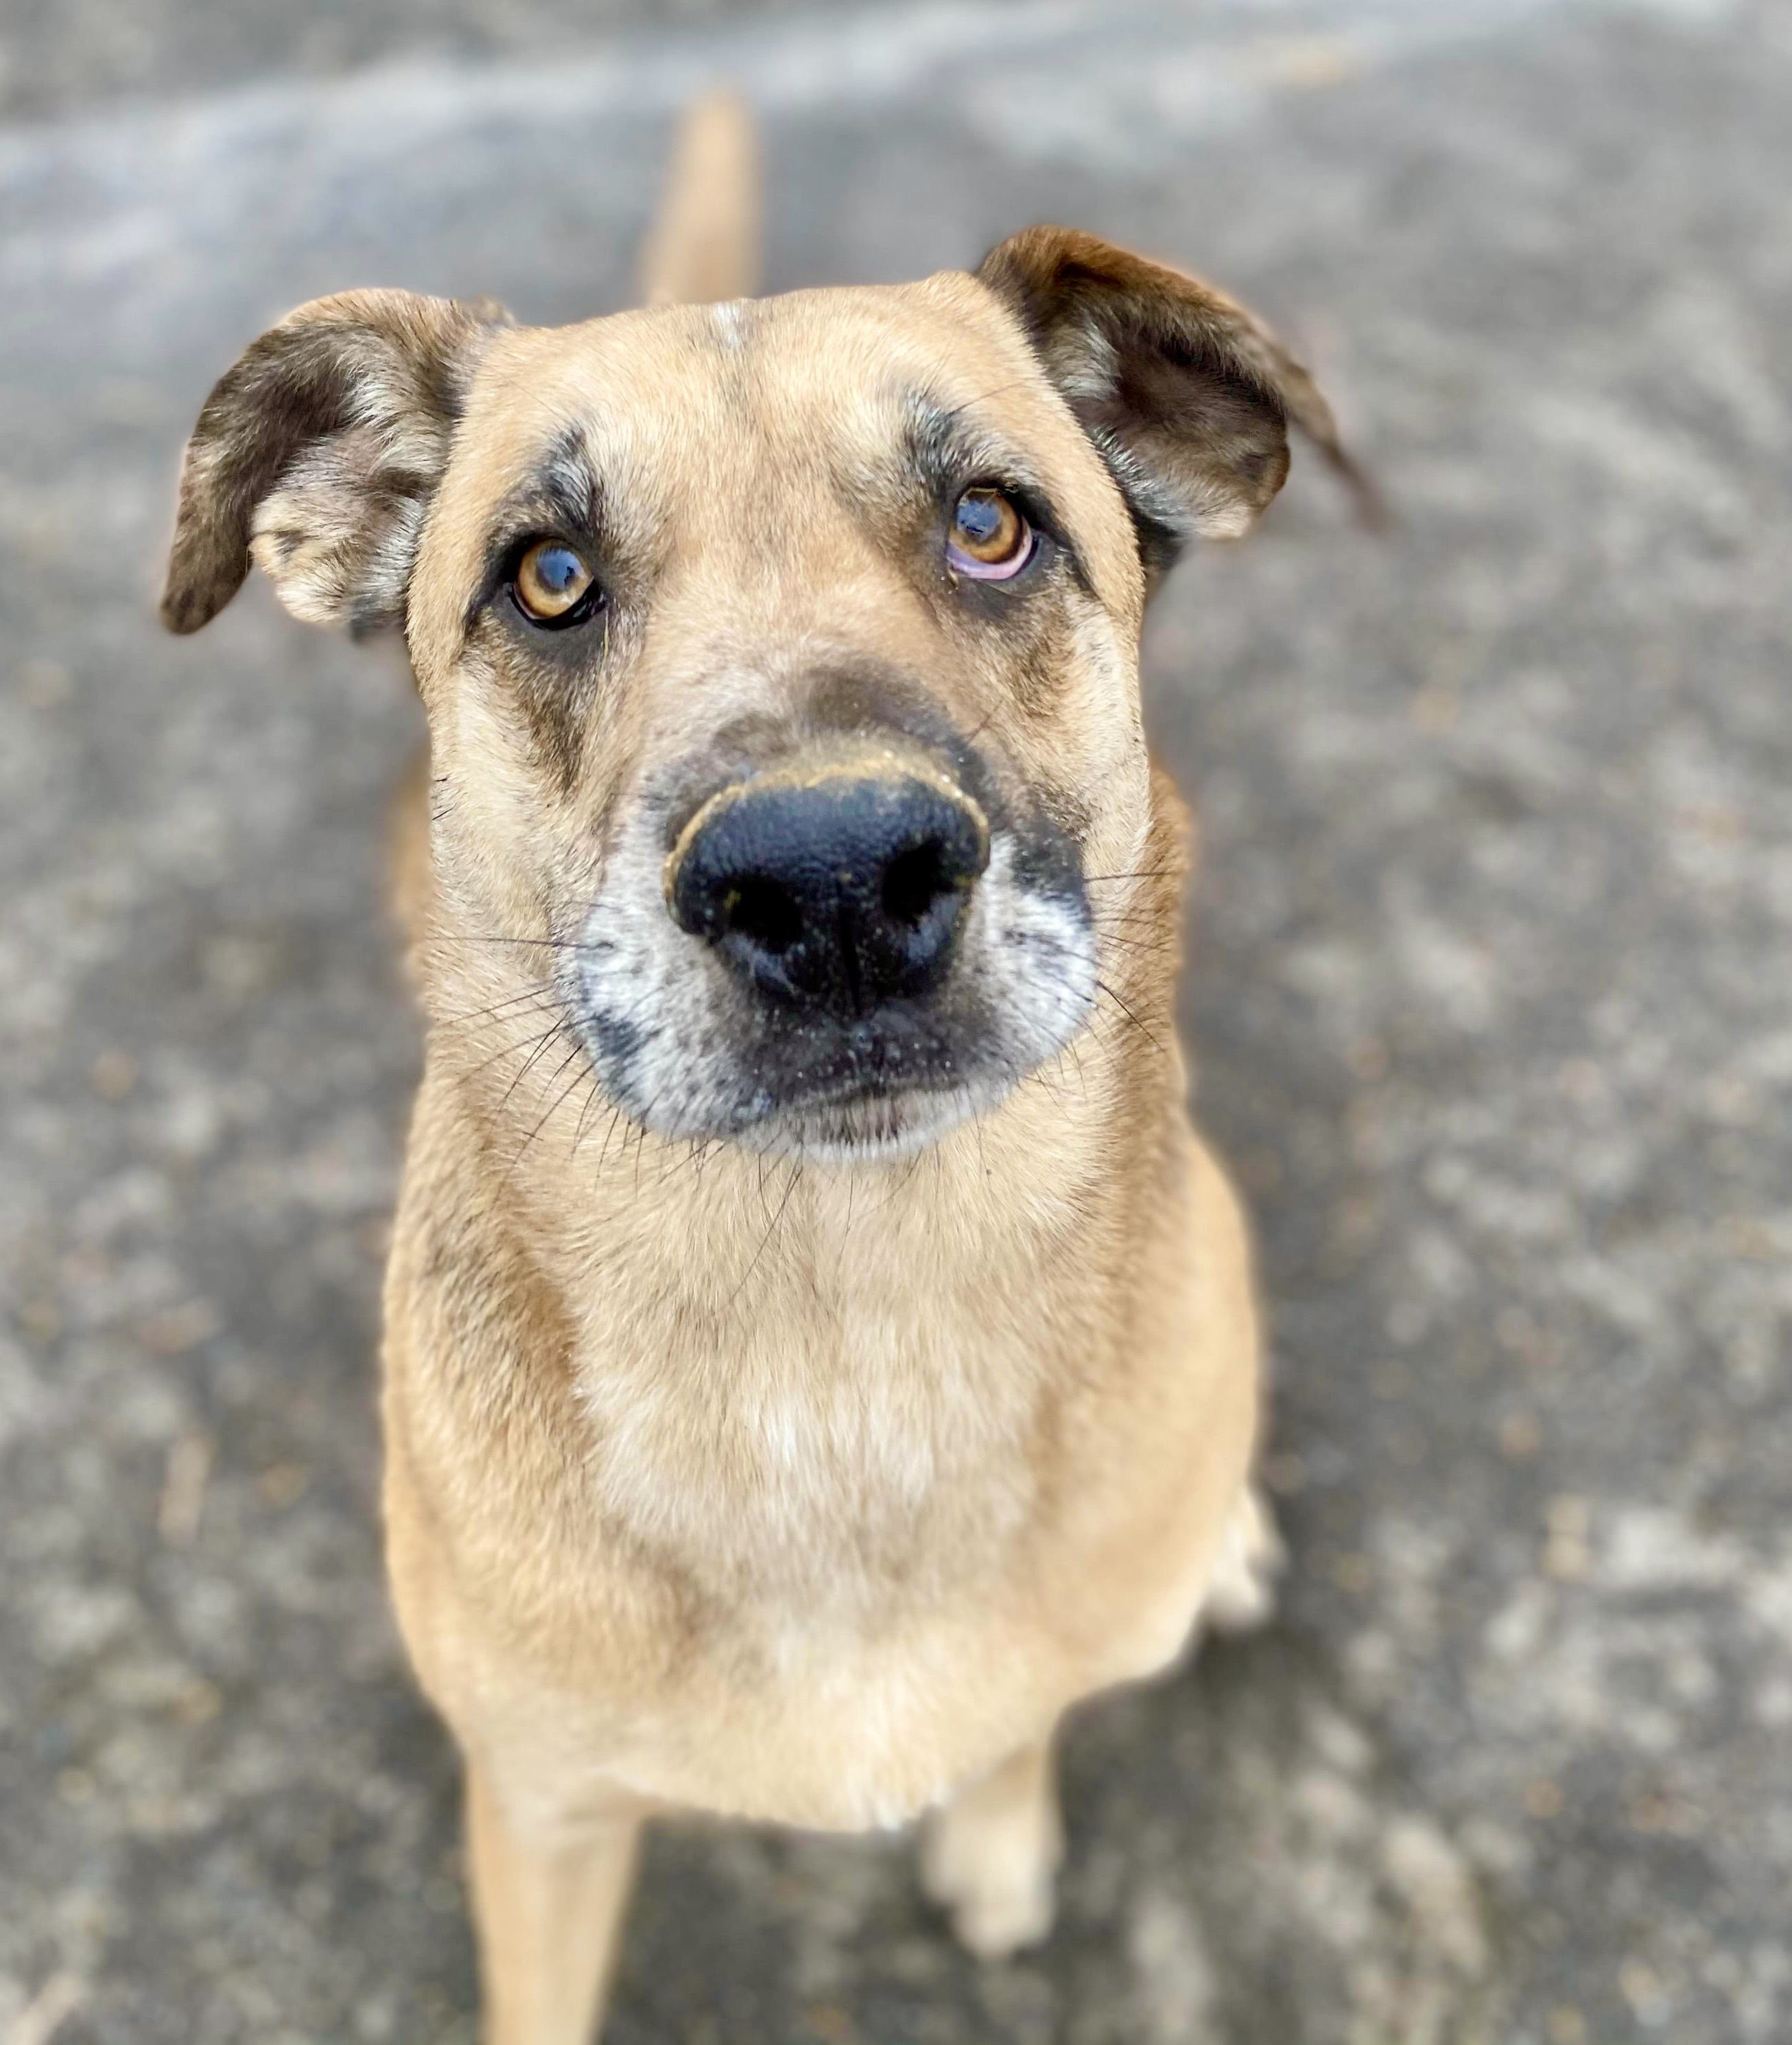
(1159, 948)
(1137, 873)
(796, 1168)
(553, 1107)
(542, 993)
(616, 1117)
(521, 1044)
(529, 1065)
(596, 1094)
(982, 397)
(1114, 995)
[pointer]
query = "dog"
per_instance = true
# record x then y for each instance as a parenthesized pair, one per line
(819, 1349)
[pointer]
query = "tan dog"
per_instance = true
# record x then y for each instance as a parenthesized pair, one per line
(818, 1348)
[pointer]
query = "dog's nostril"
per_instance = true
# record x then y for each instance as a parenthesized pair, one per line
(764, 912)
(914, 881)
(830, 890)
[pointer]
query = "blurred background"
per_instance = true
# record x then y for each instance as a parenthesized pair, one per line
(1489, 994)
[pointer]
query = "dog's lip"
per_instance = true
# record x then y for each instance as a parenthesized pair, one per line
(869, 1073)
(792, 1103)
(868, 1060)
(846, 1093)
(866, 1126)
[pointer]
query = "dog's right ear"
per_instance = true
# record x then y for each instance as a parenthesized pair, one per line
(317, 453)
(1186, 394)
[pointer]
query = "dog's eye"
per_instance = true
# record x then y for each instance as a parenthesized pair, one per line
(554, 587)
(989, 538)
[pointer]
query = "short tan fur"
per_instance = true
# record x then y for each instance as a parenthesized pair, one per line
(819, 1348)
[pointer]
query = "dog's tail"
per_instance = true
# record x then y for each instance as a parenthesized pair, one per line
(704, 244)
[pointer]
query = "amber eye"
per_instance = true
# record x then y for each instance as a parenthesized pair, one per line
(989, 538)
(553, 585)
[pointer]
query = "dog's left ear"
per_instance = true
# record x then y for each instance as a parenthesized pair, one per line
(317, 455)
(1186, 395)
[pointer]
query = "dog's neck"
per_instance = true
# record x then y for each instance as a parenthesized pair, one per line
(803, 1381)
(776, 1363)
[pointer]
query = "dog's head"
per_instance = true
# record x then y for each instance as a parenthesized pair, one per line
(780, 657)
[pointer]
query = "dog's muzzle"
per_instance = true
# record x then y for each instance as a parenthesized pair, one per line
(833, 886)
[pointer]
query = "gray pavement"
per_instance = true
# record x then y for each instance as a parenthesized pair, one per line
(1492, 998)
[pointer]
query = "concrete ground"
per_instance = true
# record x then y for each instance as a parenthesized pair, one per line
(1493, 999)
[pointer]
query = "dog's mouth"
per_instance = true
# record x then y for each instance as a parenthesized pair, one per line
(845, 953)
(709, 1063)
(881, 1089)
(690, 1046)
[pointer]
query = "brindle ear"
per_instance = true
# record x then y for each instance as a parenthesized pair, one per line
(317, 453)
(1186, 395)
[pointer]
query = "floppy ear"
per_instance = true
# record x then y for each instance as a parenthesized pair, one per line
(317, 453)
(1186, 395)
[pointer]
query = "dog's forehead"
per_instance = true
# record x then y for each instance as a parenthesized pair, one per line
(681, 399)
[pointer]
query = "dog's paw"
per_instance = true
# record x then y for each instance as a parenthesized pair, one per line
(991, 1862)
(999, 1894)
(1241, 1593)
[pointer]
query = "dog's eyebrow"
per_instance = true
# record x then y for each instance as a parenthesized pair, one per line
(563, 496)
(948, 447)
(945, 446)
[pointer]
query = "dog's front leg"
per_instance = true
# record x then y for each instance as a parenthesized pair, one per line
(991, 1856)
(548, 1908)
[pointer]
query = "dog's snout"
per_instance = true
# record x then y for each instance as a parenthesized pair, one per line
(836, 890)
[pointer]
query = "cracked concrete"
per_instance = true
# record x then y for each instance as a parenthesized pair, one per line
(1491, 999)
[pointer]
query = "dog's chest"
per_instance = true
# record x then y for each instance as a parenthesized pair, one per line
(847, 1537)
(821, 1469)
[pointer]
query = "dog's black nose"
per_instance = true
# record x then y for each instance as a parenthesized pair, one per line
(836, 890)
